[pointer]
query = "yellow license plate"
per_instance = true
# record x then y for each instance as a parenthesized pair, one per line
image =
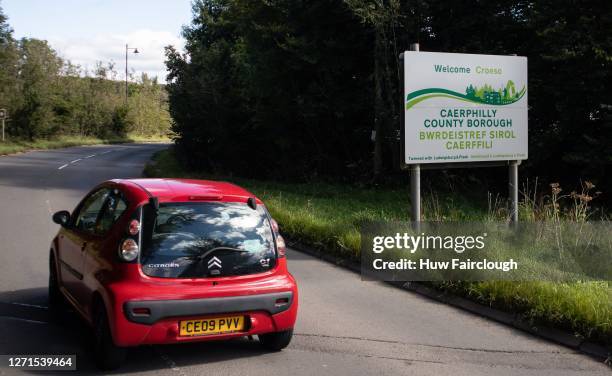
(217, 325)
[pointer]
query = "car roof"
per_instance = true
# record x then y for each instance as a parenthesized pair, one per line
(180, 190)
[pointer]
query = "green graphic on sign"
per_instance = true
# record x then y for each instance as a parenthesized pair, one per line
(481, 95)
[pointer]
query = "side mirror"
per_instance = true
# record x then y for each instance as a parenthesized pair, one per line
(62, 218)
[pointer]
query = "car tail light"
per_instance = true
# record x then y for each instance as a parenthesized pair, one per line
(134, 227)
(128, 250)
(280, 246)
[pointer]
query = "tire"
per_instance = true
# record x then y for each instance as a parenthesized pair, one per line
(57, 301)
(108, 356)
(276, 341)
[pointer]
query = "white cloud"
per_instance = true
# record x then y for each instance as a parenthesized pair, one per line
(111, 47)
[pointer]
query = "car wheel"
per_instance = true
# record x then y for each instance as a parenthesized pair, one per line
(108, 356)
(276, 341)
(57, 301)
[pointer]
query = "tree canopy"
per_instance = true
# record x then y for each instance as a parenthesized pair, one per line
(305, 88)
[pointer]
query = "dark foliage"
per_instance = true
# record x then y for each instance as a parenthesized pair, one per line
(294, 88)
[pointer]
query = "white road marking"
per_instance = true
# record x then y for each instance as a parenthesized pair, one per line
(29, 305)
(106, 152)
(24, 320)
(78, 159)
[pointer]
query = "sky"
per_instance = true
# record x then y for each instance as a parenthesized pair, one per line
(86, 31)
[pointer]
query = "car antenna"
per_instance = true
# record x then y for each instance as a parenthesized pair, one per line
(252, 203)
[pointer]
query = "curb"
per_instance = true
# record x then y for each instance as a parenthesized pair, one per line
(514, 320)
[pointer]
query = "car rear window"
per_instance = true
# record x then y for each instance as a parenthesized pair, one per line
(206, 239)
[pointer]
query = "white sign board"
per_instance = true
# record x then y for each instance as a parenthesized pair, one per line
(464, 107)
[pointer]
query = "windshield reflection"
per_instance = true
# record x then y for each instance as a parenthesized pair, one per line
(185, 236)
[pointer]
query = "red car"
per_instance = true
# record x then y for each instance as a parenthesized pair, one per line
(158, 261)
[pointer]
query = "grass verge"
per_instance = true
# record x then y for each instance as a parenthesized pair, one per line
(18, 146)
(327, 216)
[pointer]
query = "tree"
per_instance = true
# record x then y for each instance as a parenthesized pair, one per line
(570, 68)
(9, 57)
(383, 16)
(294, 88)
(148, 108)
(268, 79)
(39, 67)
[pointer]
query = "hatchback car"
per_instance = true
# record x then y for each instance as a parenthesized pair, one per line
(159, 261)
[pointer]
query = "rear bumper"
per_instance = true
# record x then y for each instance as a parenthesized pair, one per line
(271, 307)
(271, 303)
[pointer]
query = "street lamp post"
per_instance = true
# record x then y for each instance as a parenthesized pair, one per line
(126, 70)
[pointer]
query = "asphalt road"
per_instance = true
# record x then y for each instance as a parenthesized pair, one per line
(345, 326)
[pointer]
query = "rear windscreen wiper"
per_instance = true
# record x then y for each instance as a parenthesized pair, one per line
(202, 256)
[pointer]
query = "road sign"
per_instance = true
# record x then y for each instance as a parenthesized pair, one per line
(464, 108)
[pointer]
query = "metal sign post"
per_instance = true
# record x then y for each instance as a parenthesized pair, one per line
(415, 175)
(513, 190)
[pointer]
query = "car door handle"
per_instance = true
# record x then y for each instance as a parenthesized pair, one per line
(83, 246)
